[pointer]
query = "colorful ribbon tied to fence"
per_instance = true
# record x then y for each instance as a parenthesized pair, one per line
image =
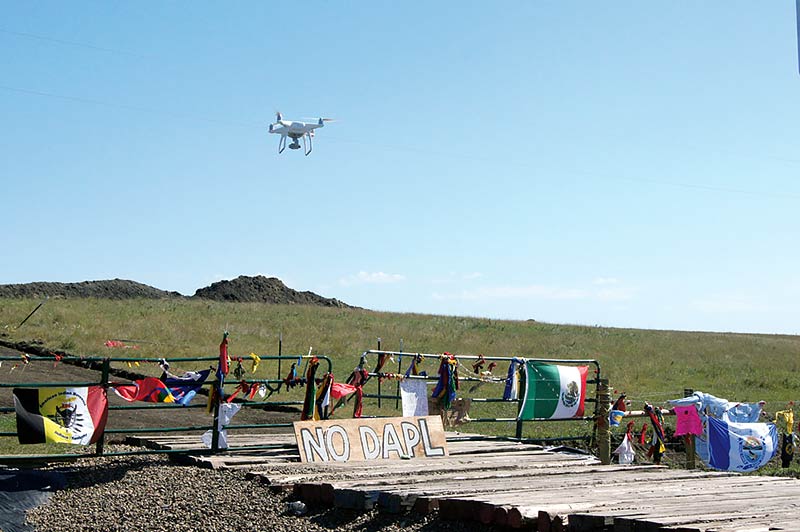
(224, 361)
(309, 401)
(447, 385)
(511, 391)
(657, 441)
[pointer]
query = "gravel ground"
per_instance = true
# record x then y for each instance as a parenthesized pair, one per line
(152, 493)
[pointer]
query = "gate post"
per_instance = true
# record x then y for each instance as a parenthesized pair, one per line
(379, 380)
(399, 372)
(689, 439)
(521, 391)
(215, 427)
(104, 382)
(601, 422)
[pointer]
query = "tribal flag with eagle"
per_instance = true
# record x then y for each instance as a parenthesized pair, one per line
(61, 415)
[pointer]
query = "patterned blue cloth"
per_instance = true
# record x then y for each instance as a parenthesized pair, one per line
(721, 408)
(511, 392)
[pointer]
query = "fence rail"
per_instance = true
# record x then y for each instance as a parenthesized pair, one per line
(107, 372)
(469, 377)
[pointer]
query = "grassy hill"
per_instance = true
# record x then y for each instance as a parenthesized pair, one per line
(647, 365)
(650, 366)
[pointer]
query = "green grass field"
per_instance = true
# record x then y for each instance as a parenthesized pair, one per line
(648, 365)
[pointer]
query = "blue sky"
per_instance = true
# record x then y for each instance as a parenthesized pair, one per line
(629, 164)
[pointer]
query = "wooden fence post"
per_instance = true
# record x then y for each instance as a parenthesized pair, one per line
(399, 372)
(603, 430)
(689, 439)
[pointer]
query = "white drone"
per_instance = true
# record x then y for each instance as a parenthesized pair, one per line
(297, 131)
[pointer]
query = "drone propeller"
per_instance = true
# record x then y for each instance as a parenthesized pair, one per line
(309, 119)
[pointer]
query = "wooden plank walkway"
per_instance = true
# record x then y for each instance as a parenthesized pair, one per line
(519, 486)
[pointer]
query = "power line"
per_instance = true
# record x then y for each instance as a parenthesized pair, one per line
(710, 188)
(131, 107)
(70, 43)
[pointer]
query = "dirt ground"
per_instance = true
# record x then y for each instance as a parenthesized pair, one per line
(124, 419)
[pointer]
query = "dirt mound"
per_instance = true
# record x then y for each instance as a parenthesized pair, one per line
(262, 289)
(109, 289)
(243, 289)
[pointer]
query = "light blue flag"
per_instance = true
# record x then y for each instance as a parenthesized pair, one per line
(740, 446)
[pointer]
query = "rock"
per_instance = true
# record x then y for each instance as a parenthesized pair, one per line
(150, 492)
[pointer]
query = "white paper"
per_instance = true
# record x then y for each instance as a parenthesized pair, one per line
(226, 413)
(625, 451)
(414, 393)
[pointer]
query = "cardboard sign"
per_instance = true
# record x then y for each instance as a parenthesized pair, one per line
(358, 439)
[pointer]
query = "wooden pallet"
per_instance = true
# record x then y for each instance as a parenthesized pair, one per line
(499, 482)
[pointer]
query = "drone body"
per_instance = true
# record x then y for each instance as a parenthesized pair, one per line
(296, 131)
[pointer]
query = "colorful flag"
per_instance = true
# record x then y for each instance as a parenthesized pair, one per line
(309, 406)
(185, 387)
(323, 398)
(149, 389)
(657, 447)
(256, 361)
(553, 392)
(340, 389)
(615, 417)
(687, 421)
(784, 419)
(511, 392)
(446, 388)
(61, 415)
(740, 446)
(224, 360)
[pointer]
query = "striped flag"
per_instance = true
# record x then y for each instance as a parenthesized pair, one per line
(740, 446)
(553, 392)
(61, 415)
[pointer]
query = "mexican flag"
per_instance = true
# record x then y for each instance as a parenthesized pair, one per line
(553, 392)
(61, 415)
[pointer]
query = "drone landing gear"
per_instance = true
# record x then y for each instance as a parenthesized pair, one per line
(295, 144)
